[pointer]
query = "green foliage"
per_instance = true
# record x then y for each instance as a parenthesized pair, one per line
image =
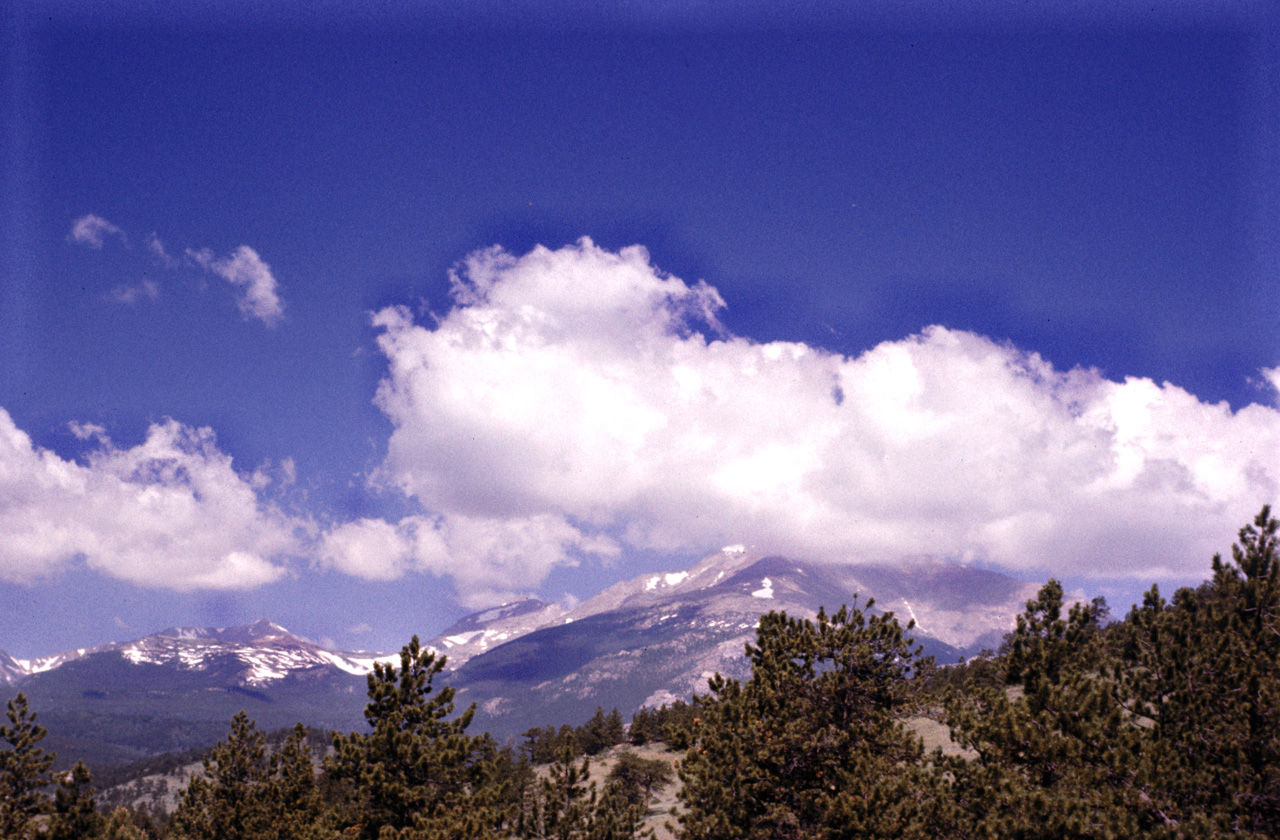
(1055, 750)
(1164, 725)
(1205, 672)
(670, 723)
(417, 774)
(601, 732)
(120, 825)
(24, 772)
(634, 779)
(812, 745)
(565, 805)
(75, 815)
(247, 794)
(643, 728)
(544, 744)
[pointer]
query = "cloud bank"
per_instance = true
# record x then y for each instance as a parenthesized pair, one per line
(578, 400)
(168, 513)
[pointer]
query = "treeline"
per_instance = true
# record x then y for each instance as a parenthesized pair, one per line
(415, 774)
(1165, 724)
(544, 744)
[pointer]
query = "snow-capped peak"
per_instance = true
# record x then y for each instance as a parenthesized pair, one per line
(254, 654)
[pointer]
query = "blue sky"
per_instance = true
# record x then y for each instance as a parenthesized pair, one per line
(205, 209)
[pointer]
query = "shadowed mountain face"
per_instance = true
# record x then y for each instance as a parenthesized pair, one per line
(647, 641)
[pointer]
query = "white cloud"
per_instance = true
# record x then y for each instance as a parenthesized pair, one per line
(369, 548)
(156, 247)
(489, 559)
(1271, 376)
(129, 295)
(170, 512)
(573, 388)
(256, 288)
(90, 230)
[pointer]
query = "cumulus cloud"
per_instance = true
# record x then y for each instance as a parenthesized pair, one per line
(588, 392)
(170, 512)
(489, 558)
(1271, 376)
(256, 287)
(91, 230)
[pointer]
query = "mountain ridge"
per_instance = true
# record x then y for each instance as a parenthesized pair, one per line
(645, 641)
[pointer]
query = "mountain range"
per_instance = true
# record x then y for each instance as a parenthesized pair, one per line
(650, 640)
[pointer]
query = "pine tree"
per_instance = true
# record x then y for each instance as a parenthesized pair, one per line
(601, 732)
(635, 779)
(120, 826)
(812, 745)
(294, 795)
(643, 727)
(75, 814)
(232, 798)
(564, 797)
(1166, 725)
(1056, 750)
(417, 774)
(1204, 673)
(566, 805)
(24, 772)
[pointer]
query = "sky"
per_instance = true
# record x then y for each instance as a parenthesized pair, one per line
(360, 317)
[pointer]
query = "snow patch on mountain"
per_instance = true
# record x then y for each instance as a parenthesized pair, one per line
(670, 579)
(256, 654)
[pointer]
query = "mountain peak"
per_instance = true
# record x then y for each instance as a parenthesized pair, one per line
(262, 630)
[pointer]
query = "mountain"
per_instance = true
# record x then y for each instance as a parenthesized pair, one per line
(659, 637)
(11, 670)
(256, 653)
(646, 641)
(179, 688)
(479, 632)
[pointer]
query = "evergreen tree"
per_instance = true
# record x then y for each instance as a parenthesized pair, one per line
(120, 825)
(563, 797)
(293, 793)
(232, 798)
(675, 722)
(1055, 751)
(601, 732)
(644, 727)
(635, 779)
(614, 731)
(1165, 725)
(417, 774)
(75, 815)
(24, 772)
(1204, 674)
(812, 745)
(566, 805)
(539, 744)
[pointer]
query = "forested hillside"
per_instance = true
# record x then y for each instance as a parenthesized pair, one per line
(1165, 724)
